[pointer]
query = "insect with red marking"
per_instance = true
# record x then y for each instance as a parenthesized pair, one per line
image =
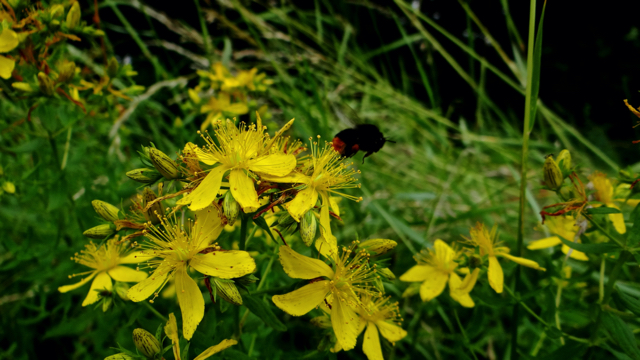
(364, 137)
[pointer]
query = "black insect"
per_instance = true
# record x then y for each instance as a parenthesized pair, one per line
(364, 137)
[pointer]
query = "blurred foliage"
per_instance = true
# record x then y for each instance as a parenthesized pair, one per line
(93, 81)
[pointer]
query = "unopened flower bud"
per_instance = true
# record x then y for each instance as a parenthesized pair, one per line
(100, 232)
(475, 261)
(568, 193)
(231, 208)
(155, 212)
(146, 343)
(106, 303)
(323, 322)
(112, 67)
(56, 11)
(22, 86)
(45, 84)
(54, 25)
(144, 175)
(246, 280)
(73, 16)
(308, 227)
(99, 32)
(227, 290)
(386, 273)
(67, 72)
(163, 163)
(120, 356)
(564, 161)
(105, 210)
(121, 289)
(378, 246)
(9, 187)
(552, 174)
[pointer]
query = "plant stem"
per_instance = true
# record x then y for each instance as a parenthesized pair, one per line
(205, 32)
(526, 130)
(613, 276)
(154, 311)
(595, 223)
(243, 232)
(464, 334)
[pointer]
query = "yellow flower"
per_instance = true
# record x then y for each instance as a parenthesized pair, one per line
(378, 316)
(245, 152)
(487, 244)
(564, 227)
(171, 330)
(604, 194)
(177, 249)
(216, 107)
(243, 79)
(106, 262)
(345, 285)
(323, 174)
(8, 41)
(435, 269)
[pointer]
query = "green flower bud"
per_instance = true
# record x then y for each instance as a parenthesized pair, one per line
(98, 32)
(564, 161)
(144, 175)
(73, 17)
(100, 232)
(9, 187)
(22, 86)
(146, 343)
(378, 246)
(105, 210)
(323, 322)
(106, 303)
(67, 72)
(165, 166)
(120, 356)
(475, 261)
(246, 280)
(230, 207)
(227, 290)
(112, 67)
(386, 273)
(155, 212)
(56, 11)
(568, 193)
(308, 227)
(552, 174)
(54, 25)
(45, 84)
(121, 289)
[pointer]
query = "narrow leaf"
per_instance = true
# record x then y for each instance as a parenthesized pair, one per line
(622, 334)
(602, 210)
(631, 303)
(633, 234)
(537, 58)
(261, 310)
(591, 248)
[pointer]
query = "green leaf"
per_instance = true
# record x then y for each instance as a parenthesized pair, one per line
(262, 223)
(233, 354)
(631, 303)
(184, 354)
(602, 210)
(535, 76)
(554, 333)
(591, 248)
(633, 234)
(261, 310)
(622, 334)
(572, 350)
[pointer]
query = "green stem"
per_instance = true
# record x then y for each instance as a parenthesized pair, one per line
(154, 311)
(526, 130)
(624, 256)
(243, 232)
(464, 334)
(595, 223)
(205, 32)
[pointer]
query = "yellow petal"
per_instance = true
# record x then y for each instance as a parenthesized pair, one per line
(371, 344)
(208, 226)
(237, 109)
(458, 293)
(391, 331)
(64, 289)
(345, 323)
(292, 178)
(327, 245)
(207, 191)
(303, 202)
(334, 205)
(101, 282)
(336, 347)
(417, 273)
(226, 343)
(8, 40)
(205, 156)
(148, 286)
(618, 222)
(444, 252)
(544, 243)
(171, 330)
(135, 258)
(244, 190)
(469, 281)
(433, 286)
(6, 67)
(299, 266)
(126, 274)
(274, 164)
(224, 264)
(190, 300)
(303, 300)
(495, 274)
(524, 262)
(575, 254)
